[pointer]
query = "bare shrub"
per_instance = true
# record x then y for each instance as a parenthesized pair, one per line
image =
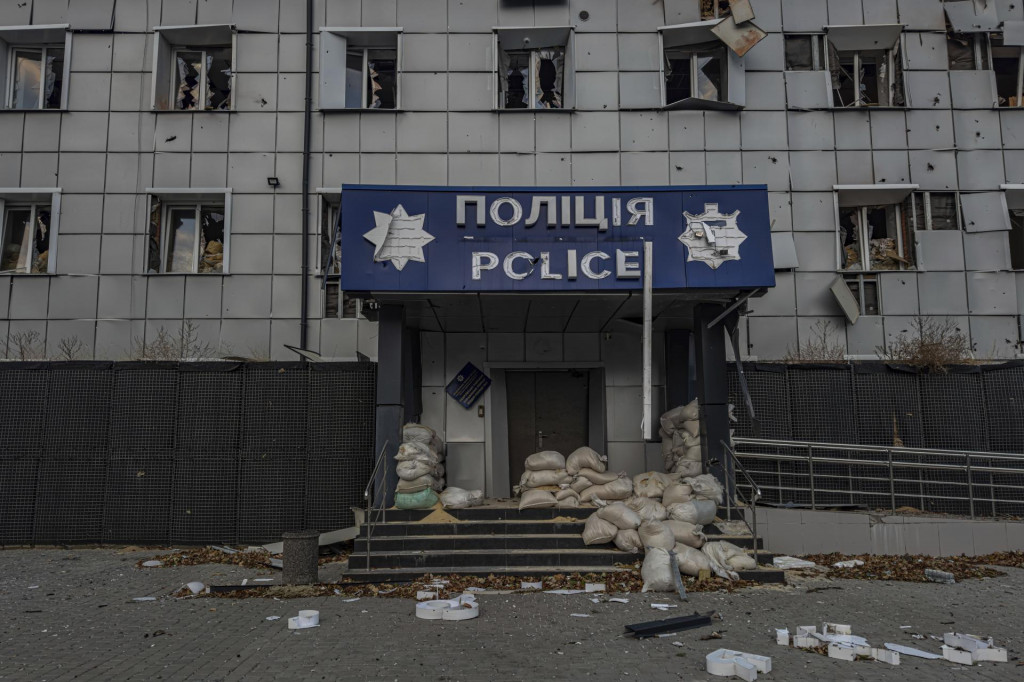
(186, 344)
(930, 344)
(28, 345)
(70, 348)
(821, 347)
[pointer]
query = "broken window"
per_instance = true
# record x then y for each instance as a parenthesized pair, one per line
(186, 237)
(866, 66)
(360, 69)
(714, 9)
(967, 51)
(25, 239)
(371, 80)
(1017, 239)
(803, 52)
(933, 211)
(531, 79)
(37, 78)
(696, 71)
(865, 290)
(874, 238)
(202, 79)
(330, 237)
(1006, 62)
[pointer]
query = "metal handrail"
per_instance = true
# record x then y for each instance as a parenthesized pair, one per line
(370, 521)
(876, 448)
(755, 495)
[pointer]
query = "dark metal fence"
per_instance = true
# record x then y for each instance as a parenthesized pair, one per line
(181, 452)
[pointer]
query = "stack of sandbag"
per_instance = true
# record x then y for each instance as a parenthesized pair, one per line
(458, 498)
(420, 468)
(591, 479)
(626, 522)
(680, 440)
(545, 476)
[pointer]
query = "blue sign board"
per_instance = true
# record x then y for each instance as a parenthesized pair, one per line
(468, 385)
(470, 239)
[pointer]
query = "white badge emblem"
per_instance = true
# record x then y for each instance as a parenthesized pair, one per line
(398, 237)
(712, 237)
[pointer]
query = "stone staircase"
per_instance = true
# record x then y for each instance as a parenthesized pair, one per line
(500, 540)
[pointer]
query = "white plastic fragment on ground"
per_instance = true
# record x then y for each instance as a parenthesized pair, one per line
(782, 636)
(954, 655)
(939, 576)
(152, 563)
(910, 651)
(852, 563)
(979, 648)
(728, 663)
(33, 587)
(580, 615)
(468, 589)
(619, 600)
(460, 608)
(273, 617)
(564, 592)
(531, 586)
(307, 618)
(144, 599)
(263, 580)
(790, 562)
(195, 587)
(426, 595)
(349, 601)
(594, 587)
(663, 607)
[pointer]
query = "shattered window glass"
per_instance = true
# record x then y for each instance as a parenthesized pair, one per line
(710, 76)
(850, 238)
(714, 9)
(799, 53)
(211, 239)
(548, 67)
(155, 236)
(202, 79)
(328, 224)
(677, 76)
(707, 62)
(870, 238)
(943, 209)
(26, 240)
(914, 210)
(882, 240)
(516, 83)
(181, 239)
(218, 78)
(381, 80)
(188, 80)
(1007, 64)
(872, 76)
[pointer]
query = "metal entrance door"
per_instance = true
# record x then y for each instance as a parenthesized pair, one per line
(546, 411)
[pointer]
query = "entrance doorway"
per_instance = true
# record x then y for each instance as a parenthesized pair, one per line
(547, 410)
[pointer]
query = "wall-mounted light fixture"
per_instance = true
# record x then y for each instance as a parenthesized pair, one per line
(274, 182)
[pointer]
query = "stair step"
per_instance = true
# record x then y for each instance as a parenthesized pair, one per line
(486, 541)
(489, 514)
(486, 527)
(762, 575)
(447, 560)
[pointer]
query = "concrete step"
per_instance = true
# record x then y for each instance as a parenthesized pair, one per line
(395, 575)
(448, 560)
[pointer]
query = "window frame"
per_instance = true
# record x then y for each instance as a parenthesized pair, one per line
(330, 208)
(42, 37)
(693, 56)
(335, 45)
(926, 207)
(681, 36)
(860, 278)
(533, 39)
(991, 66)
(14, 197)
(817, 51)
(168, 41)
(176, 198)
(894, 55)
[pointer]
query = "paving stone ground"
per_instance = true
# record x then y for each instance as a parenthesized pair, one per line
(80, 623)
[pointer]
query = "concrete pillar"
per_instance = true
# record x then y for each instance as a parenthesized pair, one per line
(391, 392)
(713, 392)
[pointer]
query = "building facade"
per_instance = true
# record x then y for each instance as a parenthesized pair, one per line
(151, 171)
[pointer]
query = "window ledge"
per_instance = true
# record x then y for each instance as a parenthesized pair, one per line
(537, 111)
(186, 274)
(698, 104)
(357, 110)
(868, 108)
(193, 111)
(35, 274)
(34, 111)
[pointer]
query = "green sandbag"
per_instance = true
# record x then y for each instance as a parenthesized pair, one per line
(424, 499)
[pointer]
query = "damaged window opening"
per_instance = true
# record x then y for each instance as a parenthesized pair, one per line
(874, 238)
(186, 238)
(714, 9)
(338, 304)
(202, 79)
(328, 224)
(862, 78)
(967, 51)
(1017, 239)
(371, 80)
(803, 52)
(36, 78)
(933, 211)
(25, 239)
(531, 79)
(1007, 63)
(865, 289)
(697, 71)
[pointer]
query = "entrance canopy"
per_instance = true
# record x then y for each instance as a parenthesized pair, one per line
(416, 240)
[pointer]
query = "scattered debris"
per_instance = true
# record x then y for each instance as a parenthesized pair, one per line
(728, 663)
(908, 568)
(306, 619)
(425, 595)
(664, 607)
(594, 587)
(273, 617)
(152, 563)
(33, 587)
(619, 600)
(211, 555)
(652, 628)
(939, 576)
(564, 592)
(789, 562)
(852, 563)
(580, 615)
(144, 599)
(713, 635)
(196, 587)
(977, 648)
(349, 601)
(461, 608)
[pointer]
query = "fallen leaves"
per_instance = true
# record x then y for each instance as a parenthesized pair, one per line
(209, 555)
(907, 568)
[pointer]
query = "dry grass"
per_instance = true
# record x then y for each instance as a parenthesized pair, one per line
(929, 344)
(823, 346)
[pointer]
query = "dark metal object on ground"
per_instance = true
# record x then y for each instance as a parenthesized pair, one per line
(656, 627)
(301, 555)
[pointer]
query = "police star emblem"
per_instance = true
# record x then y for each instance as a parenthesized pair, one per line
(398, 237)
(712, 237)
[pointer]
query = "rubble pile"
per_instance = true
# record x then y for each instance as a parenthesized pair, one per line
(420, 468)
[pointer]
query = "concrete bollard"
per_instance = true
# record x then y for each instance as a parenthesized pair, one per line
(301, 552)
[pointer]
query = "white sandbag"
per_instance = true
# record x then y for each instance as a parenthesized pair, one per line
(597, 531)
(697, 512)
(666, 442)
(649, 484)
(585, 458)
(687, 469)
(408, 471)
(598, 477)
(691, 561)
(438, 471)
(622, 516)
(692, 427)
(415, 485)
(718, 556)
(657, 571)
(413, 451)
(676, 493)
(536, 479)
(694, 453)
(684, 439)
(581, 483)
(674, 418)
(706, 487)
(459, 498)
(628, 540)
(730, 556)
(619, 489)
(565, 493)
(647, 508)
(543, 461)
(686, 533)
(656, 534)
(438, 485)
(418, 433)
(568, 503)
(539, 499)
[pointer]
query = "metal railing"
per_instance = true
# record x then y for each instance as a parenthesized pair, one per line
(368, 495)
(822, 475)
(752, 499)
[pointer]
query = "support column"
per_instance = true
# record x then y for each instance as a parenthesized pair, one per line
(391, 361)
(678, 386)
(713, 393)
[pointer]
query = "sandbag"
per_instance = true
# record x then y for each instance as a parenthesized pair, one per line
(687, 469)
(424, 499)
(731, 556)
(543, 461)
(598, 477)
(676, 493)
(697, 512)
(656, 534)
(666, 443)
(686, 533)
(683, 439)
(647, 508)
(568, 503)
(691, 561)
(536, 479)
(651, 484)
(458, 498)
(628, 540)
(657, 571)
(565, 493)
(622, 516)
(415, 485)
(674, 418)
(718, 556)
(536, 499)
(581, 483)
(408, 471)
(692, 427)
(439, 485)
(706, 487)
(585, 458)
(418, 433)
(413, 451)
(619, 489)
(597, 531)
